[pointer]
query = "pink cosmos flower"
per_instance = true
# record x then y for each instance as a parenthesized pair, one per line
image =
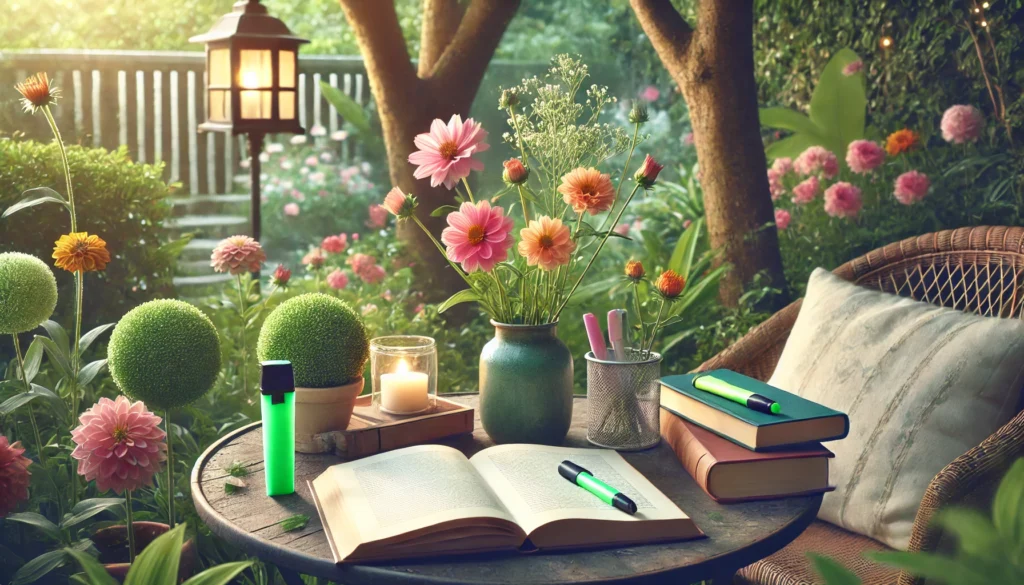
(842, 200)
(237, 255)
(650, 93)
(806, 191)
(119, 444)
(853, 67)
(378, 216)
(962, 124)
(782, 218)
(291, 209)
(334, 244)
(911, 187)
(817, 159)
(864, 156)
(478, 236)
(337, 279)
(14, 475)
(446, 152)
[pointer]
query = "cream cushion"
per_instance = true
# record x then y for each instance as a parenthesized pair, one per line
(922, 385)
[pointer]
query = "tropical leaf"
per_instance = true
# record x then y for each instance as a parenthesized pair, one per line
(88, 508)
(790, 146)
(94, 572)
(1008, 506)
(59, 336)
(787, 119)
(463, 296)
(33, 358)
(686, 248)
(18, 400)
(930, 566)
(40, 566)
(157, 564)
(443, 210)
(58, 358)
(38, 196)
(350, 111)
(974, 531)
(219, 575)
(90, 371)
(174, 248)
(38, 521)
(838, 103)
(833, 572)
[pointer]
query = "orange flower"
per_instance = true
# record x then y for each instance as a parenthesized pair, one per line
(36, 92)
(587, 190)
(546, 243)
(670, 284)
(80, 252)
(635, 270)
(515, 172)
(901, 141)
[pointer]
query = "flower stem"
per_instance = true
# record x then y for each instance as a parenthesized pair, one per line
(519, 135)
(28, 388)
(67, 168)
(76, 360)
(131, 529)
(639, 315)
(522, 201)
(654, 331)
(468, 190)
(622, 179)
(170, 468)
(245, 353)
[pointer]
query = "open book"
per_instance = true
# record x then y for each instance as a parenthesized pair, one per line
(431, 499)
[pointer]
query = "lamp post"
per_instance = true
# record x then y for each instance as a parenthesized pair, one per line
(252, 84)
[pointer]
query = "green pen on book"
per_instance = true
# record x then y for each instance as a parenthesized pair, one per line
(277, 407)
(751, 400)
(586, 480)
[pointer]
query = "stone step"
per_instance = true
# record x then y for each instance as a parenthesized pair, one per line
(197, 267)
(193, 287)
(198, 249)
(209, 226)
(232, 203)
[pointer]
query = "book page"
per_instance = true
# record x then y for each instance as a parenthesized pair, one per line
(410, 489)
(526, 479)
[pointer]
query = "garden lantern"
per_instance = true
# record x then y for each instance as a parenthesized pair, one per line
(252, 84)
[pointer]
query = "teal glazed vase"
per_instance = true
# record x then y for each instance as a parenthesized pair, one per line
(526, 385)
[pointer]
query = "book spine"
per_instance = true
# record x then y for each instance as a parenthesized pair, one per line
(691, 453)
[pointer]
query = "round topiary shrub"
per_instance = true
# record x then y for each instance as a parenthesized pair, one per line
(28, 292)
(322, 336)
(165, 353)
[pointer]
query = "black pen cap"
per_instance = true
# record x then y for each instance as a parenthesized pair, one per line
(276, 379)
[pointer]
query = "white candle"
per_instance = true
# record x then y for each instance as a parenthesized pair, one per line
(403, 391)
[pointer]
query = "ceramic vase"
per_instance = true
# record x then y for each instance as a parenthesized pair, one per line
(526, 377)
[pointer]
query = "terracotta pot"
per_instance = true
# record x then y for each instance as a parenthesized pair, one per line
(112, 542)
(320, 410)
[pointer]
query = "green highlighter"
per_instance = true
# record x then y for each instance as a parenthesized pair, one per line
(606, 493)
(277, 407)
(751, 400)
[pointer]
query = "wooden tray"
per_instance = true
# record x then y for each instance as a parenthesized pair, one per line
(372, 431)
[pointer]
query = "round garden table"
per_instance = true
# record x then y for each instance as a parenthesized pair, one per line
(737, 534)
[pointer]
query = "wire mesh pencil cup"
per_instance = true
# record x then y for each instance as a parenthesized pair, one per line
(623, 401)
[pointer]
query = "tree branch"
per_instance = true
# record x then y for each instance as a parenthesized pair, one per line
(669, 32)
(382, 44)
(441, 19)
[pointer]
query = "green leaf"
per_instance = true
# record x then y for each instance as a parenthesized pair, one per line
(157, 564)
(94, 571)
(88, 508)
(790, 146)
(587, 230)
(929, 566)
(293, 523)
(58, 359)
(33, 358)
(39, 521)
(443, 210)
(350, 111)
(39, 567)
(975, 532)
(838, 104)
(686, 248)
(1008, 506)
(38, 196)
(219, 575)
(699, 292)
(832, 571)
(59, 336)
(88, 338)
(18, 400)
(174, 248)
(90, 371)
(463, 296)
(787, 119)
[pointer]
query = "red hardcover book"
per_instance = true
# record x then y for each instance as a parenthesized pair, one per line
(731, 473)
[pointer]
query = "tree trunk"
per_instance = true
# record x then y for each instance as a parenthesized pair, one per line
(714, 67)
(455, 49)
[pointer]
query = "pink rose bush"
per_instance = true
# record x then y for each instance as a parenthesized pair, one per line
(805, 191)
(337, 280)
(961, 124)
(842, 200)
(817, 160)
(782, 219)
(864, 156)
(911, 187)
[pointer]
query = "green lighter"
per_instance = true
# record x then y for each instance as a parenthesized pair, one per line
(277, 406)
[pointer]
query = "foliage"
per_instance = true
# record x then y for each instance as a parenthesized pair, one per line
(28, 292)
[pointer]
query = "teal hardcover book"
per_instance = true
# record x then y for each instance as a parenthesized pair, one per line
(800, 421)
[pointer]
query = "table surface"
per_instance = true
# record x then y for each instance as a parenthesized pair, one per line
(737, 534)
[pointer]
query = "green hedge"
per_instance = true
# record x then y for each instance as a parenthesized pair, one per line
(124, 203)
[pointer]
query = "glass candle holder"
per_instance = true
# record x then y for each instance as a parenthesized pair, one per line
(404, 371)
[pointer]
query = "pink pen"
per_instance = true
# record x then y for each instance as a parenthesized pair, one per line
(596, 336)
(615, 335)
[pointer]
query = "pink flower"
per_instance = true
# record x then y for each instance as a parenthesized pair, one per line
(334, 244)
(297, 195)
(782, 218)
(361, 262)
(119, 444)
(14, 475)
(339, 135)
(378, 216)
(622, 229)
(647, 174)
(864, 156)
(373, 274)
(367, 309)
(842, 200)
(337, 279)
(314, 259)
(911, 187)
(817, 159)
(400, 204)
(783, 165)
(806, 191)
(291, 209)
(317, 177)
(281, 276)
(775, 186)
(347, 173)
(650, 93)
(687, 223)
(312, 160)
(478, 236)
(318, 130)
(962, 124)
(446, 152)
(237, 255)
(853, 67)
(688, 139)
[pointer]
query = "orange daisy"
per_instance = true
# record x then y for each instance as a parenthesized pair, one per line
(901, 141)
(635, 270)
(546, 243)
(36, 92)
(80, 252)
(587, 190)
(670, 284)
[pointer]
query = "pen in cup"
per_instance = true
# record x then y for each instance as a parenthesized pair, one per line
(615, 327)
(595, 336)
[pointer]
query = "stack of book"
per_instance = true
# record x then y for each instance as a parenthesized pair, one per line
(736, 453)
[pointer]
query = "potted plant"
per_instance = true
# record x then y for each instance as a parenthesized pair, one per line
(325, 340)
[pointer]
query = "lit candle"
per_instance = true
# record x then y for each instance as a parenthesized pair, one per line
(250, 99)
(403, 391)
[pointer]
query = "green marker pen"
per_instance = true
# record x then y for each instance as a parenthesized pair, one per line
(732, 392)
(586, 480)
(277, 407)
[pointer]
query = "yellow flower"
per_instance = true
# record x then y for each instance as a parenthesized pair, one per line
(36, 92)
(80, 252)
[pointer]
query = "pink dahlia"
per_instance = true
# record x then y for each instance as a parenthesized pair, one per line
(119, 444)
(478, 236)
(14, 475)
(911, 187)
(962, 124)
(337, 279)
(864, 156)
(446, 152)
(842, 200)
(782, 218)
(361, 262)
(853, 67)
(372, 274)
(806, 191)
(817, 159)
(291, 209)
(334, 244)
(378, 216)
(237, 255)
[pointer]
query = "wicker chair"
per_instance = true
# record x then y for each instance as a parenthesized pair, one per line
(980, 270)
